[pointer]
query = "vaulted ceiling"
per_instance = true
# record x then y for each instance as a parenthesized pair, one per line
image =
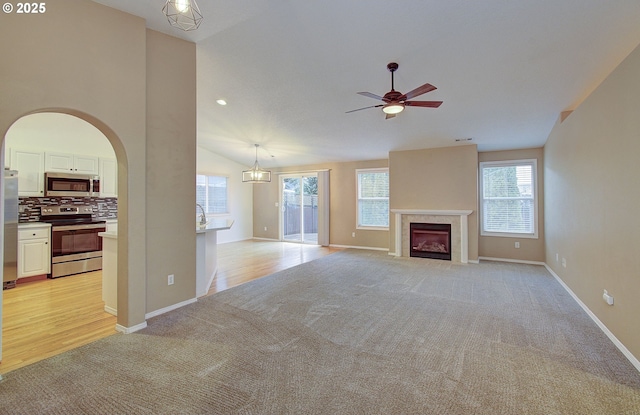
(291, 69)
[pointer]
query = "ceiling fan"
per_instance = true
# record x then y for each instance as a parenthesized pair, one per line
(394, 101)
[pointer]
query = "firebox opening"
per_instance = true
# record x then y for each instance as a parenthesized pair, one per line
(430, 240)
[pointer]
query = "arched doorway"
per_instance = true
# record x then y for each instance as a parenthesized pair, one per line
(65, 131)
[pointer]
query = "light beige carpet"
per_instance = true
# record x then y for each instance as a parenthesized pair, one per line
(352, 333)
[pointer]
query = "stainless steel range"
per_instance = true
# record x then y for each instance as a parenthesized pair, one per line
(75, 244)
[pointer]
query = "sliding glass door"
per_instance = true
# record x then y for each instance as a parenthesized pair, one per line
(299, 220)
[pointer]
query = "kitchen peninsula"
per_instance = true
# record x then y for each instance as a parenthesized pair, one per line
(206, 260)
(207, 253)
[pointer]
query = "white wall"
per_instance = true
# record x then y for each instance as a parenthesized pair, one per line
(60, 133)
(240, 194)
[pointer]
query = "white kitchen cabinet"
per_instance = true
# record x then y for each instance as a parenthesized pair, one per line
(71, 163)
(112, 225)
(30, 167)
(108, 178)
(34, 250)
(110, 270)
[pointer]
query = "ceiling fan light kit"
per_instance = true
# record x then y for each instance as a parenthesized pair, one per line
(395, 102)
(183, 14)
(256, 174)
(393, 108)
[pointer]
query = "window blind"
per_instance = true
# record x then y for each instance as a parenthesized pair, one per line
(508, 198)
(211, 193)
(373, 198)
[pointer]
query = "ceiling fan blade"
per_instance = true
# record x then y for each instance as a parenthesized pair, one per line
(370, 95)
(365, 108)
(418, 91)
(389, 116)
(428, 104)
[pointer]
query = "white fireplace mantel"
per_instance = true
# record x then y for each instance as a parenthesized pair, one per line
(464, 227)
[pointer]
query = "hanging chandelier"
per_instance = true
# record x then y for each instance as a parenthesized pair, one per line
(183, 14)
(256, 174)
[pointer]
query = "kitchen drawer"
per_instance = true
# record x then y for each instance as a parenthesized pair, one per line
(37, 233)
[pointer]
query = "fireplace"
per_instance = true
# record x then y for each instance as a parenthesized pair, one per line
(458, 219)
(430, 240)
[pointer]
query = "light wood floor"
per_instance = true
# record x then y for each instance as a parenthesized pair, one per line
(45, 318)
(240, 262)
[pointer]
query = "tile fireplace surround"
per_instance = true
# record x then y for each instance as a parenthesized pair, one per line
(459, 220)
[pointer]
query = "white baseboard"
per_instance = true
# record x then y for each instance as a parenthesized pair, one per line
(358, 247)
(516, 261)
(133, 329)
(266, 239)
(169, 308)
(634, 361)
(111, 310)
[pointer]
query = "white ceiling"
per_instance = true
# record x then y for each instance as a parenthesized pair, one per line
(290, 69)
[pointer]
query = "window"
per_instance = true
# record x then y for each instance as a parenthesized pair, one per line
(373, 198)
(509, 198)
(211, 193)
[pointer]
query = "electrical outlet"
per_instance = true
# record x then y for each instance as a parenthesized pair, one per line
(265, 228)
(564, 262)
(607, 298)
(170, 278)
(517, 244)
(353, 234)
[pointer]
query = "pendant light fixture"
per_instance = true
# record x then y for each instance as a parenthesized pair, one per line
(256, 174)
(183, 14)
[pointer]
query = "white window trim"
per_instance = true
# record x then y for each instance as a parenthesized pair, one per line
(370, 228)
(504, 163)
(228, 210)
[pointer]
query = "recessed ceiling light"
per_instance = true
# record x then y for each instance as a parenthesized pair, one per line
(221, 102)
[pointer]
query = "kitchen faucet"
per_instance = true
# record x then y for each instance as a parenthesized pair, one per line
(203, 216)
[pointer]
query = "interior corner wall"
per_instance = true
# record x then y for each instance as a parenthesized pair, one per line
(436, 179)
(591, 172)
(239, 195)
(171, 170)
(88, 60)
(531, 249)
(342, 210)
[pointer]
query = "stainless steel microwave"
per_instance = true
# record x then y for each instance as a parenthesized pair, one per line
(68, 184)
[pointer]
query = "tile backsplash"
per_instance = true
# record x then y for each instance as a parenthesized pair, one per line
(103, 207)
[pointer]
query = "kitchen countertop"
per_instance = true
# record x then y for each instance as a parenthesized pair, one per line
(109, 234)
(26, 225)
(215, 225)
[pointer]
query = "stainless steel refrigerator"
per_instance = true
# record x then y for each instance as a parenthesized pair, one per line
(10, 268)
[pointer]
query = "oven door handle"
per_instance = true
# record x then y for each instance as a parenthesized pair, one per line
(78, 227)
